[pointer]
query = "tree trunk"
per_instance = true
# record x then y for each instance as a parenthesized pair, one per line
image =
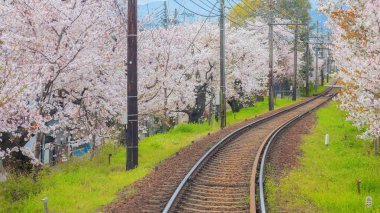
(210, 112)
(200, 105)
(235, 105)
(164, 124)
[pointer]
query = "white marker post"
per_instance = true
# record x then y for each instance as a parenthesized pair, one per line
(45, 201)
(368, 201)
(327, 139)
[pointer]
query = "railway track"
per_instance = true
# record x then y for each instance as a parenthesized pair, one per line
(224, 179)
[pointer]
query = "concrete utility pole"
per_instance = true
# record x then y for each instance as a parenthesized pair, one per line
(175, 19)
(328, 66)
(316, 63)
(328, 60)
(166, 15)
(271, 86)
(295, 63)
(132, 126)
(166, 25)
(222, 67)
(307, 61)
(323, 55)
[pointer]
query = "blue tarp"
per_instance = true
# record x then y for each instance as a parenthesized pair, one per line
(84, 149)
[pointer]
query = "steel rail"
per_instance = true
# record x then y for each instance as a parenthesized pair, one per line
(263, 154)
(189, 176)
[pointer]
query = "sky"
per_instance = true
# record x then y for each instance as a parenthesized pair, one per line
(315, 16)
(142, 2)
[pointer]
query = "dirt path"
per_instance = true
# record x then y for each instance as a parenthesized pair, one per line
(285, 152)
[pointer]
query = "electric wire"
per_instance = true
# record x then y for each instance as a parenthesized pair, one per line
(238, 5)
(247, 5)
(209, 16)
(204, 8)
(283, 14)
(210, 4)
(196, 35)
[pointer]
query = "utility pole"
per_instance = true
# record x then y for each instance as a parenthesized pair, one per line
(307, 61)
(132, 126)
(316, 62)
(328, 66)
(175, 19)
(295, 63)
(328, 60)
(324, 56)
(271, 86)
(222, 67)
(166, 25)
(166, 15)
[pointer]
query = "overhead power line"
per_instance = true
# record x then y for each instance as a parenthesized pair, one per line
(202, 15)
(203, 24)
(200, 6)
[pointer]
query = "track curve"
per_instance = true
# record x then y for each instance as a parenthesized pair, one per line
(220, 180)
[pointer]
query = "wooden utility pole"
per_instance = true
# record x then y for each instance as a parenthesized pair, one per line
(271, 86)
(222, 67)
(316, 63)
(295, 63)
(132, 126)
(307, 61)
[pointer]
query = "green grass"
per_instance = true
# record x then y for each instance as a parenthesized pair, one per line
(325, 181)
(81, 185)
(320, 90)
(312, 90)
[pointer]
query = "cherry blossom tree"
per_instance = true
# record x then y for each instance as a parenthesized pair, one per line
(356, 48)
(63, 72)
(179, 70)
(172, 66)
(65, 65)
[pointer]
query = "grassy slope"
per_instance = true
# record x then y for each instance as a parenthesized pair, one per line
(326, 179)
(85, 186)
